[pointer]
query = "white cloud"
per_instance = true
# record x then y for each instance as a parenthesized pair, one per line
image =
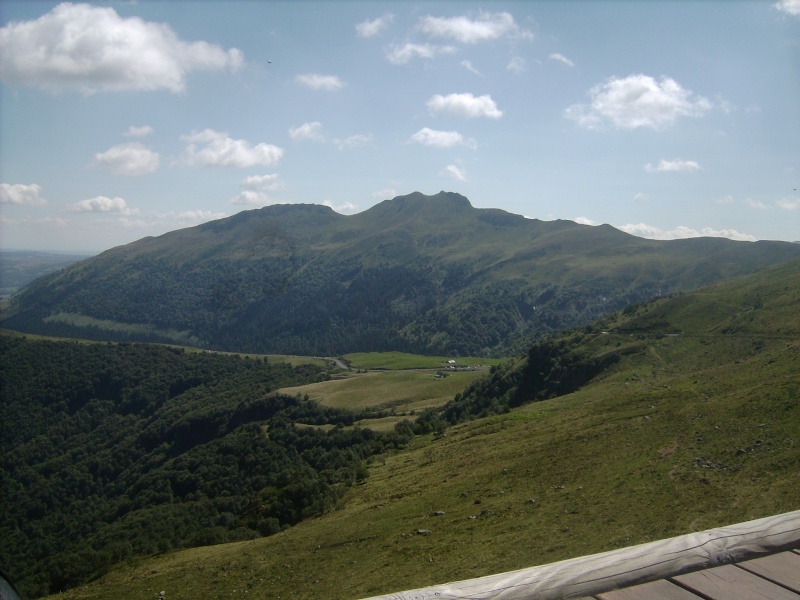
(257, 188)
(401, 55)
(441, 139)
(328, 83)
(584, 221)
(640, 197)
(789, 203)
(790, 7)
(486, 27)
(468, 66)
(198, 216)
(345, 207)
(516, 65)
(563, 59)
(368, 29)
(92, 48)
(253, 198)
(637, 101)
(104, 204)
(22, 194)
(757, 204)
(673, 166)
(682, 232)
(306, 131)
(262, 182)
(455, 172)
(385, 193)
(465, 105)
(354, 141)
(128, 159)
(138, 132)
(209, 148)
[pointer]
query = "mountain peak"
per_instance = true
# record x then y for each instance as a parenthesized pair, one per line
(442, 197)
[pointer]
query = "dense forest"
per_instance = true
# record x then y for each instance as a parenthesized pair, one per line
(114, 451)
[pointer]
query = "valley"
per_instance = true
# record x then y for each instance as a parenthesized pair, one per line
(693, 423)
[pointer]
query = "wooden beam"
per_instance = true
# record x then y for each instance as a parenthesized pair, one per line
(625, 567)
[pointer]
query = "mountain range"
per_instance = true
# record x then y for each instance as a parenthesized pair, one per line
(423, 274)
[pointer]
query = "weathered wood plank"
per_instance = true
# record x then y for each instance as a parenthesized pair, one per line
(783, 568)
(590, 575)
(732, 583)
(655, 590)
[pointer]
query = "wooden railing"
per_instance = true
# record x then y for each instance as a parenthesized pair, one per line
(625, 567)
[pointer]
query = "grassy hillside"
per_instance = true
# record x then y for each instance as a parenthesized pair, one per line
(695, 424)
(422, 274)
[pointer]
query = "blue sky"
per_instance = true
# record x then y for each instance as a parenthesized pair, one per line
(121, 120)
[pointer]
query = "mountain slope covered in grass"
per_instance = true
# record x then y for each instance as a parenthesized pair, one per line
(694, 423)
(421, 274)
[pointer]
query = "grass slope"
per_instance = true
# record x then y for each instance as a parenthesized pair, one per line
(697, 425)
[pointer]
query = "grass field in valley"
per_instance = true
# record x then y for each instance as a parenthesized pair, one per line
(402, 360)
(404, 383)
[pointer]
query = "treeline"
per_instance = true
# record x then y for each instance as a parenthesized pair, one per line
(551, 368)
(113, 451)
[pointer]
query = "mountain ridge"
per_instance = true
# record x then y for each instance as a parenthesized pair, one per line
(417, 273)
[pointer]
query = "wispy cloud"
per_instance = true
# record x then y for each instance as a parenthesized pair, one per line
(307, 131)
(467, 30)
(673, 166)
(401, 55)
(455, 172)
(328, 83)
(562, 59)
(682, 232)
(468, 66)
(516, 65)
(465, 105)
(138, 132)
(441, 139)
(637, 101)
(354, 141)
(257, 188)
(368, 29)
(789, 203)
(384, 193)
(344, 207)
(92, 48)
(757, 204)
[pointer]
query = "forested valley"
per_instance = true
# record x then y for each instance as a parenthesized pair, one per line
(116, 451)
